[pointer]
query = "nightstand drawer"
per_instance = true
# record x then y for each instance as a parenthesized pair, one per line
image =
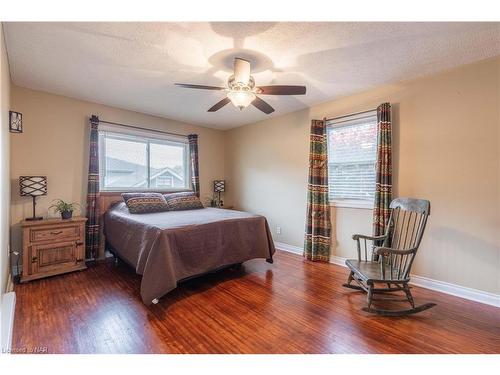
(54, 234)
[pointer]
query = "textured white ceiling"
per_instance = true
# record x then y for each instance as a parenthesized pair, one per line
(134, 65)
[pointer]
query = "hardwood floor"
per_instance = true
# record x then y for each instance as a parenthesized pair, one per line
(291, 306)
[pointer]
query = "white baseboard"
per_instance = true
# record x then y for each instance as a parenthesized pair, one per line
(339, 261)
(456, 290)
(10, 284)
(420, 281)
(288, 248)
(8, 310)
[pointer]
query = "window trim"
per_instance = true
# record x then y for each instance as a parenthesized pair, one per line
(149, 137)
(340, 122)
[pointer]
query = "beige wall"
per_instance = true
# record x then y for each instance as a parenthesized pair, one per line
(55, 144)
(4, 164)
(446, 149)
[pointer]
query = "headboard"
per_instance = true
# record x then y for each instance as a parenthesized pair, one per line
(106, 200)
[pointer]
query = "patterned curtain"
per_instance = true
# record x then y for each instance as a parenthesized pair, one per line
(383, 187)
(318, 225)
(193, 155)
(92, 225)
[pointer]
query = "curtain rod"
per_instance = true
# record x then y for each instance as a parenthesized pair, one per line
(351, 114)
(140, 128)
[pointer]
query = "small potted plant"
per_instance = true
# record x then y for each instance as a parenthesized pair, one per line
(66, 209)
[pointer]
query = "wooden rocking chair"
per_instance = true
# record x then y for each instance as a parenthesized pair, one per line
(390, 264)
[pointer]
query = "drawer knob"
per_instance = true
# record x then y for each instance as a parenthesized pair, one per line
(34, 259)
(79, 243)
(56, 232)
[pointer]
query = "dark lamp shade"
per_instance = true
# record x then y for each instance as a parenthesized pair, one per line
(32, 185)
(219, 186)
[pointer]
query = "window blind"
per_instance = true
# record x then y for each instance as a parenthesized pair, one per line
(352, 146)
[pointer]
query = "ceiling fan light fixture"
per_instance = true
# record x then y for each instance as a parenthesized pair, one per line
(241, 99)
(241, 90)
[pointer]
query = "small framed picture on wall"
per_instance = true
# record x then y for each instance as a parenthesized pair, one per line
(15, 122)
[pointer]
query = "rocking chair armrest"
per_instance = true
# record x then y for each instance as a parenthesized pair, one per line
(381, 250)
(357, 237)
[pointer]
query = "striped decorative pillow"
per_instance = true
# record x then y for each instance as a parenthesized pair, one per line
(144, 203)
(183, 201)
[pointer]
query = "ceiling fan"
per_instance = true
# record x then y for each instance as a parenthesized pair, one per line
(242, 92)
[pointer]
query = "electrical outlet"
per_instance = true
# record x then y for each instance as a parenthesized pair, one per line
(278, 229)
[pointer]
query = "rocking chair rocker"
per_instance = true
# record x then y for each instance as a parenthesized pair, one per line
(390, 264)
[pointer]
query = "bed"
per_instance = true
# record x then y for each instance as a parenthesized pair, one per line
(167, 247)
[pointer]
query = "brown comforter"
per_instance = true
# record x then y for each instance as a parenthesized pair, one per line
(166, 247)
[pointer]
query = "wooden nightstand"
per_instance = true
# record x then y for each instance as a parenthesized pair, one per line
(52, 246)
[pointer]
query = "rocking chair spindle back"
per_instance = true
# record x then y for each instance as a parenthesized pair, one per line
(390, 264)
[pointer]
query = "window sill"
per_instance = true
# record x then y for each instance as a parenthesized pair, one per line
(352, 204)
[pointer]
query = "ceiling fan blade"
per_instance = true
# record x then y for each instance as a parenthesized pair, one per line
(219, 105)
(241, 70)
(262, 105)
(281, 90)
(202, 87)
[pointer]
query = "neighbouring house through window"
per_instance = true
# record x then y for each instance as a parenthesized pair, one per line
(142, 160)
(352, 153)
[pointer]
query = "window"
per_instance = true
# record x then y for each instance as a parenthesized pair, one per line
(352, 147)
(142, 160)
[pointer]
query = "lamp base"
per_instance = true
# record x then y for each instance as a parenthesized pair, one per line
(34, 218)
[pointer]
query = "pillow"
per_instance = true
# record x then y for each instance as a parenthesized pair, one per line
(183, 201)
(144, 203)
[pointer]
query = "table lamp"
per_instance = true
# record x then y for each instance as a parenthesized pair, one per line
(33, 186)
(219, 187)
